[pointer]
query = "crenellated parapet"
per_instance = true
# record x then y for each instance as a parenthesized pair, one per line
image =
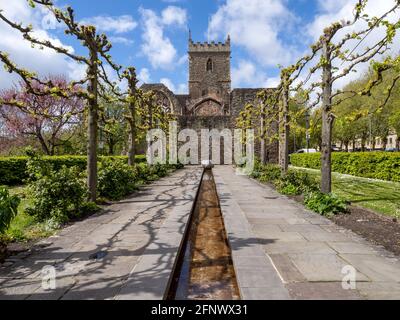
(210, 46)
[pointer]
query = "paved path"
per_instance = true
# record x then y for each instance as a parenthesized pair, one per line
(140, 237)
(304, 251)
(279, 249)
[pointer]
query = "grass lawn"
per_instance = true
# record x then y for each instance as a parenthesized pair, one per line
(379, 196)
(24, 227)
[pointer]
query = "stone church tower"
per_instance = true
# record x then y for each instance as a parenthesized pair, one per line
(209, 78)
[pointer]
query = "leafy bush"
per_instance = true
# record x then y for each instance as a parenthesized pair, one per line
(375, 165)
(116, 180)
(8, 208)
(159, 170)
(296, 183)
(57, 194)
(287, 188)
(269, 173)
(13, 170)
(324, 204)
(176, 166)
(303, 181)
(143, 171)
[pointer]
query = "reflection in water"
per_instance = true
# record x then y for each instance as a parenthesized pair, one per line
(205, 272)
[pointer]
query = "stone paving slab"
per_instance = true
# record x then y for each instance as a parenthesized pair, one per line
(305, 252)
(129, 233)
(256, 276)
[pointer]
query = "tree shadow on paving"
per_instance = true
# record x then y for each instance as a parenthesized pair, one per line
(91, 273)
(79, 277)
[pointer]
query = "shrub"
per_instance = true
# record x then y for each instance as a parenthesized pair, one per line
(287, 188)
(269, 173)
(159, 170)
(324, 204)
(376, 165)
(58, 195)
(302, 180)
(8, 208)
(176, 166)
(257, 169)
(116, 180)
(13, 170)
(296, 183)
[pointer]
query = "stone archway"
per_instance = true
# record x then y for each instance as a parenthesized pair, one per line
(208, 107)
(165, 97)
(162, 100)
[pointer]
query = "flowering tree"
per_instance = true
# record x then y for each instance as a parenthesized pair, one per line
(43, 117)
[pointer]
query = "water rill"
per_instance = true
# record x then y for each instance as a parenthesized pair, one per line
(205, 270)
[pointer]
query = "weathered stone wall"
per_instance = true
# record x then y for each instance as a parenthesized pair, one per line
(239, 99)
(176, 106)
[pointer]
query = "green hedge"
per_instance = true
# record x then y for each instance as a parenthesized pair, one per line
(375, 165)
(13, 169)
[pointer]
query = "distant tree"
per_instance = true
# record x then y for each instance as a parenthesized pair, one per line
(394, 122)
(112, 125)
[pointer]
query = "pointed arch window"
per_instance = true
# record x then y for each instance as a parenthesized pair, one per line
(209, 65)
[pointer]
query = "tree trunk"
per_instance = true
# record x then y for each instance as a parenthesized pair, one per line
(363, 142)
(398, 144)
(92, 127)
(132, 121)
(384, 142)
(327, 122)
(262, 139)
(132, 144)
(284, 132)
(43, 144)
(111, 146)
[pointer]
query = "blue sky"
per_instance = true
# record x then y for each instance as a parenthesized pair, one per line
(152, 35)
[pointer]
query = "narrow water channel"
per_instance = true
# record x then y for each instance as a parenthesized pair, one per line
(205, 270)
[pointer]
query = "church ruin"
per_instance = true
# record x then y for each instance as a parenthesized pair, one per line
(211, 102)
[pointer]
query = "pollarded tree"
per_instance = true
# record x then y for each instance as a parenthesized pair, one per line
(45, 117)
(337, 62)
(133, 98)
(98, 47)
(268, 112)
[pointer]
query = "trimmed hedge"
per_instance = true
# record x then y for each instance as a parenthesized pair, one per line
(375, 165)
(13, 169)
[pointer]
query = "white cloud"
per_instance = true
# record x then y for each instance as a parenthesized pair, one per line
(157, 47)
(121, 40)
(121, 24)
(174, 15)
(45, 61)
(180, 89)
(246, 74)
(183, 59)
(255, 25)
(144, 75)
